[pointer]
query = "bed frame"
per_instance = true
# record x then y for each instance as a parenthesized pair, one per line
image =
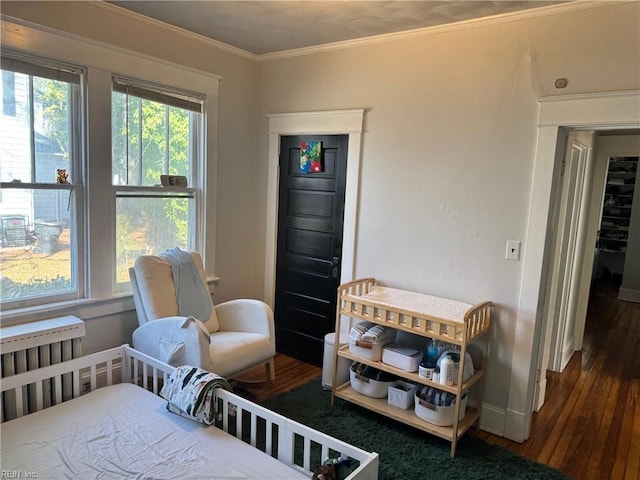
(292, 443)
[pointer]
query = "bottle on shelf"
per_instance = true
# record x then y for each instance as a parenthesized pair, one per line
(446, 371)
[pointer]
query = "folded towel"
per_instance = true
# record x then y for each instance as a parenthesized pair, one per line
(378, 333)
(189, 393)
(359, 329)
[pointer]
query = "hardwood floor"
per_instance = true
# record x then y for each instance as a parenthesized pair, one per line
(589, 426)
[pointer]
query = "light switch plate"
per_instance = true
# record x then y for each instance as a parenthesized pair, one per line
(513, 250)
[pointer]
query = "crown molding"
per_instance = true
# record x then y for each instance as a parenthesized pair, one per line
(571, 6)
(194, 36)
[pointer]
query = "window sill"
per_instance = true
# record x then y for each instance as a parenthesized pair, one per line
(85, 309)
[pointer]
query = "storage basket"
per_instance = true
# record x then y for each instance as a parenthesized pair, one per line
(365, 382)
(437, 407)
(401, 394)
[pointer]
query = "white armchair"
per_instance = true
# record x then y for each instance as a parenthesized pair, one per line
(238, 335)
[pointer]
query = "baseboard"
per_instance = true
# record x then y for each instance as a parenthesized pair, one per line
(516, 426)
(628, 295)
(492, 419)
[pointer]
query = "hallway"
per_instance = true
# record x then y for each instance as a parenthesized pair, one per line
(589, 426)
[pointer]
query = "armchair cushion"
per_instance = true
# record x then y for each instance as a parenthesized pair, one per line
(153, 273)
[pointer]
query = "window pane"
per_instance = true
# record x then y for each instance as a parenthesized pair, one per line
(37, 245)
(149, 226)
(38, 249)
(52, 139)
(149, 139)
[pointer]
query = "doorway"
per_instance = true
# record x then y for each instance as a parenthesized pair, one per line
(309, 245)
(576, 266)
(330, 122)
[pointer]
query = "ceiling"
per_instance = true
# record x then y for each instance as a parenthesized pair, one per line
(269, 26)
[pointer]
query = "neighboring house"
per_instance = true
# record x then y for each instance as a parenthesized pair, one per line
(448, 169)
(47, 206)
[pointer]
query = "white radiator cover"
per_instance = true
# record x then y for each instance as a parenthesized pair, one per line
(38, 344)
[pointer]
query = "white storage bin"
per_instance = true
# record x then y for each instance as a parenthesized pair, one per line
(401, 357)
(368, 351)
(401, 394)
(368, 386)
(441, 415)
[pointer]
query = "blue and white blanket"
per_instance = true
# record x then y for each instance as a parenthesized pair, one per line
(189, 393)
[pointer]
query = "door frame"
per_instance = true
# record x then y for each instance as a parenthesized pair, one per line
(331, 122)
(603, 111)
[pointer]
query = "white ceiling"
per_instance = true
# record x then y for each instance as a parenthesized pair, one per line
(269, 26)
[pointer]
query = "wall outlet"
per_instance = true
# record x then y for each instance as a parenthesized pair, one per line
(513, 250)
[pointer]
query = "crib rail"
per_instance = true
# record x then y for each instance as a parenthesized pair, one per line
(24, 393)
(290, 442)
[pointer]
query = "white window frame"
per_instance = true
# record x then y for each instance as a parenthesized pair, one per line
(101, 62)
(35, 66)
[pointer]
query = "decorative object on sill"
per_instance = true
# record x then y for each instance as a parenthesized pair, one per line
(310, 157)
(173, 181)
(62, 176)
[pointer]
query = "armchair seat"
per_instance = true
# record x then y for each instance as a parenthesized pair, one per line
(238, 335)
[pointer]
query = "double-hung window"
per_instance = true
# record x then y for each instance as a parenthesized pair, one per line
(156, 131)
(86, 143)
(41, 173)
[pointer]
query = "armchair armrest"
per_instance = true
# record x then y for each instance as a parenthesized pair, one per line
(246, 315)
(175, 340)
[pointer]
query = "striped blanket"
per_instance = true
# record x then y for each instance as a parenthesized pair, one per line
(189, 393)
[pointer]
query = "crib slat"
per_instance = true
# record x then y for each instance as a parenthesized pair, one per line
(239, 423)
(268, 444)
(306, 461)
(254, 429)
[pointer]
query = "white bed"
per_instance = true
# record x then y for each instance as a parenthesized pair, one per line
(124, 430)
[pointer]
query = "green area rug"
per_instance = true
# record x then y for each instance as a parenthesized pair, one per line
(406, 453)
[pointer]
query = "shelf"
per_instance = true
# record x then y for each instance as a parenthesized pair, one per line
(427, 316)
(411, 376)
(381, 405)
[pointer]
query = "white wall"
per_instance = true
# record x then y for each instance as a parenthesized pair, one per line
(448, 146)
(447, 152)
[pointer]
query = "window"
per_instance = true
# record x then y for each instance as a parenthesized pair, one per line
(115, 120)
(155, 131)
(39, 218)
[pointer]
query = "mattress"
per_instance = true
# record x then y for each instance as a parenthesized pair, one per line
(419, 303)
(124, 431)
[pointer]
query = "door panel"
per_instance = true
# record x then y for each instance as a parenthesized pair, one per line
(310, 215)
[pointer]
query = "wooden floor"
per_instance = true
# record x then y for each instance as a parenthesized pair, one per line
(589, 426)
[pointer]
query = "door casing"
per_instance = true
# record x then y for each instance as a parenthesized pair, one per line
(331, 122)
(602, 111)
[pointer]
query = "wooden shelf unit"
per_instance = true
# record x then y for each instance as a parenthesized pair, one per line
(425, 315)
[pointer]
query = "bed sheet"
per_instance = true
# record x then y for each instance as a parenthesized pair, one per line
(125, 432)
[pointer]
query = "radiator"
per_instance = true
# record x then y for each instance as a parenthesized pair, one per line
(38, 344)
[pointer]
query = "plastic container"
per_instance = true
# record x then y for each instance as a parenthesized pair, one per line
(438, 407)
(369, 386)
(401, 357)
(328, 362)
(446, 371)
(401, 394)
